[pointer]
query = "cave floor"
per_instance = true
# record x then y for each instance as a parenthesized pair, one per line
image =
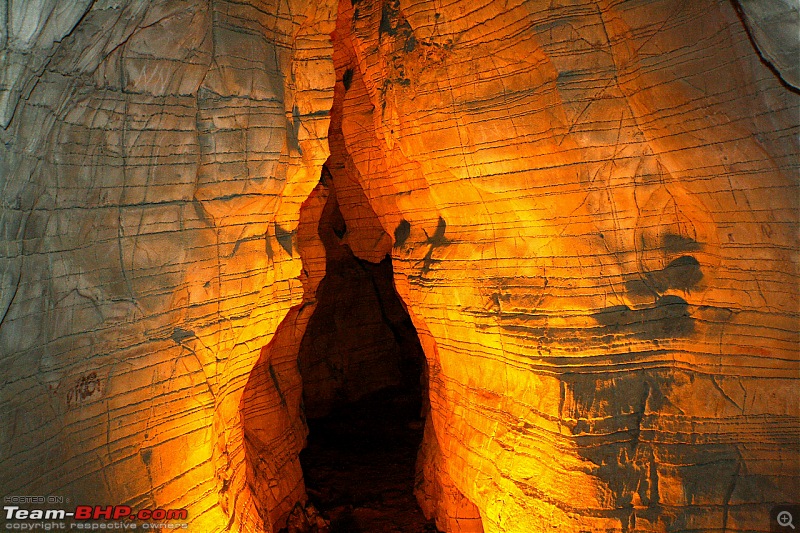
(359, 465)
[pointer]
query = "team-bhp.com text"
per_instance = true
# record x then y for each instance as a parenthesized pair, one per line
(92, 517)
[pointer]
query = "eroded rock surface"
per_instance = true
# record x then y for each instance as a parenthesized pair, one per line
(152, 176)
(594, 207)
(775, 29)
(591, 209)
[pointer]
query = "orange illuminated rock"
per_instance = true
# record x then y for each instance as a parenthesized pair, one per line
(152, 177)
(591, 209)
(595, 209)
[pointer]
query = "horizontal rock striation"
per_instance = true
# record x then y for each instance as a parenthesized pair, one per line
(153, 166)
(594, 207)
(591, 209)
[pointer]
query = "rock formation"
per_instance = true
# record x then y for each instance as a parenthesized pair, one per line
(152, 177)
(591, 209)
(773, 27)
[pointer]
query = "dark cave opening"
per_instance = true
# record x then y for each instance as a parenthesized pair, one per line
(364, 393)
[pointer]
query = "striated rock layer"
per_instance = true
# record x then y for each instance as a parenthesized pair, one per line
(591, 209)
(153, 168)
(594, 207)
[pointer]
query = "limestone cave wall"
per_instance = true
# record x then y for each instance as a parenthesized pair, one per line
(595, 214)
(155, 156)
(591, 209)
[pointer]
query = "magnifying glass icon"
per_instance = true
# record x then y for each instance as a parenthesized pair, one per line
(785, 519)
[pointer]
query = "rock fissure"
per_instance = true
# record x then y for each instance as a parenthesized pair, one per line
(588, 211)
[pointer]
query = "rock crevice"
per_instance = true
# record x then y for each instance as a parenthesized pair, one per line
(590, 207)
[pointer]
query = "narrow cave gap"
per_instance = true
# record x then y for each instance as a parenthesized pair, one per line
(364, 385)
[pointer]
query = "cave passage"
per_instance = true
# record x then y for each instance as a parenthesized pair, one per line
(363, 387)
